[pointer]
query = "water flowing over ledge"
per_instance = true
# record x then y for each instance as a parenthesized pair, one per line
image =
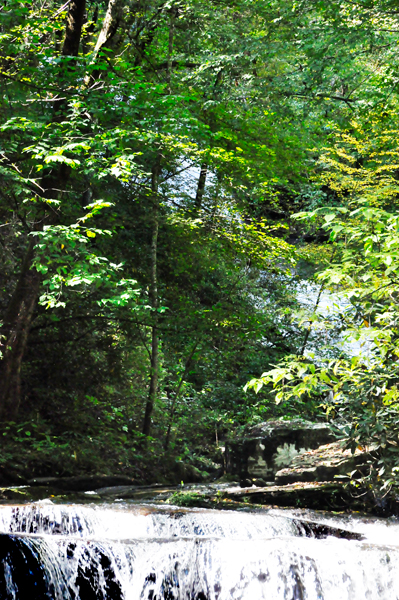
(111, 552)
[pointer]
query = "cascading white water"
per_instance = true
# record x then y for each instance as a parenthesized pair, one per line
(114, 552)
(116, 522)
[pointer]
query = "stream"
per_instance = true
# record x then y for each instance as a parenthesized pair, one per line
(121, 550)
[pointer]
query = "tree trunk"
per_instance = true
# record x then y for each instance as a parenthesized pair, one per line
(14, 332)
(170, 48)
(176, 396)
(108, 29)
(18, 317)
(154, 369)
(201, 186)
(73, 30)
(309, 329)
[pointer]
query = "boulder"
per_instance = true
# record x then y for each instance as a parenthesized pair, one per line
(269, 446)
(322, 464)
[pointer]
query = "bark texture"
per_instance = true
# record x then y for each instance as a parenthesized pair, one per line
(201, 186)
(73, 30)
(108, 29)
(154, 369)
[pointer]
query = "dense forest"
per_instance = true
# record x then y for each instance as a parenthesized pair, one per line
(181, 183)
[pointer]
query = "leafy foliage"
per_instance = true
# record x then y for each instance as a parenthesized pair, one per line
(149, 178)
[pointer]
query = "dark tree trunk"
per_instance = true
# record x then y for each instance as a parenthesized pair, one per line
(16, 324)
(201, 186)
(73, 31)
(15, 332)
(154, 369)
(170, 48)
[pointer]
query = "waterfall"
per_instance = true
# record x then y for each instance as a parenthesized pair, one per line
(122, 552)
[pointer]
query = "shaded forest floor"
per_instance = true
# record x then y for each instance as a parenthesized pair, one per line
(29, 450)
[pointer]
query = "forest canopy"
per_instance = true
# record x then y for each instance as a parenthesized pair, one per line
(181, 183)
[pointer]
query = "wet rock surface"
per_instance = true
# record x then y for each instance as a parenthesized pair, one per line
(82, 483)
(325, 495)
